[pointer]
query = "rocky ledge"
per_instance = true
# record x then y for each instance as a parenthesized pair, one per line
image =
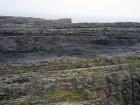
(39, 39)
(57, 62)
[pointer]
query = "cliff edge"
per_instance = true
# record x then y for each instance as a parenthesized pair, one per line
(37, 39)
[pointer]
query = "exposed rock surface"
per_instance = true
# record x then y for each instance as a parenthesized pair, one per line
(83, 76)
(29, 37)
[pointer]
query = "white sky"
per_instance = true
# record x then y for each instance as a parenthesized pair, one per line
(78, 10)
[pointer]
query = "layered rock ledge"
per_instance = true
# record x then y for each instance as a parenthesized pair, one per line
(65, 63)
(42, 39)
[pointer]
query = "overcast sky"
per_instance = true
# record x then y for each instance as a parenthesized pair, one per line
(78, 10)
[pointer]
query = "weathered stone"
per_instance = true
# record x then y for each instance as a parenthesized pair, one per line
(63, 38)
(49, 87)
(76, 81)
(116, 78)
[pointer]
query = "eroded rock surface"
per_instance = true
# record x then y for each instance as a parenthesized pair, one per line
(27, 37)
(56, 62)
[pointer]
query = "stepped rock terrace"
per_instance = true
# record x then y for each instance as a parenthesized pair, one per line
(57, 62)
(39, 39)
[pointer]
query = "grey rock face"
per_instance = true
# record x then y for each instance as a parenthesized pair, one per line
(30, 23)
(49, 87)
(56, 82)
(8, 44)
(29, 36)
